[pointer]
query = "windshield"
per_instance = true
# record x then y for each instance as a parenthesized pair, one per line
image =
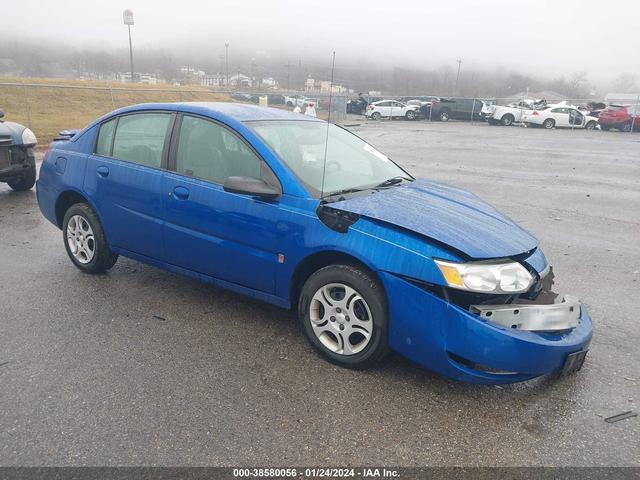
(351, 162)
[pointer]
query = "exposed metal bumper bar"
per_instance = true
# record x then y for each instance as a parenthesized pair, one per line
(536, 318)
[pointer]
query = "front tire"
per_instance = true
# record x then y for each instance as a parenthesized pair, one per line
(590, 126)
(507, 120)
(85, 241)
(25, 182)
(343, 313)
(444, 116)
(626, 127)
(410, 115)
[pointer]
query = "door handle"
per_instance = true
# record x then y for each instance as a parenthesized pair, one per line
(103, 171)
(180, 193)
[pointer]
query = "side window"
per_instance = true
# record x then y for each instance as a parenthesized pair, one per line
(140, 138)
(209, 151)
(105, 138)
(559, 110)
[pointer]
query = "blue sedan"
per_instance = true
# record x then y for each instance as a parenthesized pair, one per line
(307, 216)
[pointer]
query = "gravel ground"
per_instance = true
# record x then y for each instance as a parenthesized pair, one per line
(143, 367)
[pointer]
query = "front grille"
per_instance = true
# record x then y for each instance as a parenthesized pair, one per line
(5, 157)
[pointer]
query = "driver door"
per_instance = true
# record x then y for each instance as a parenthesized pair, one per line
(576, 118)
(225, 235)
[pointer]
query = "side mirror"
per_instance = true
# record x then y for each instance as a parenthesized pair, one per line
(251, 186)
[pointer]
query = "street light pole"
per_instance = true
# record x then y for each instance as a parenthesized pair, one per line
(127, 15)
(226, 61)
(131, 54)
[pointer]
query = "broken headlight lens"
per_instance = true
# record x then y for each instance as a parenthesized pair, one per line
(486, 277)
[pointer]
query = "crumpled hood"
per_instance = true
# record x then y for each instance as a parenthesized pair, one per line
(449, 215)
(13, 130)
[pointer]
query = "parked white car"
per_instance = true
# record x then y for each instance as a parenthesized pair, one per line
(299, 101)
(561, 115)
(391, 109)
(513, 113)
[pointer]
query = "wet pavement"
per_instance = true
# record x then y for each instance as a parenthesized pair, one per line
(141, 366)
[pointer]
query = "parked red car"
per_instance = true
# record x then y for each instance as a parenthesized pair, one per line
(620, 117)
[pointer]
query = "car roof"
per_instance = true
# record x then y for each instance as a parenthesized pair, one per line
(222, 110)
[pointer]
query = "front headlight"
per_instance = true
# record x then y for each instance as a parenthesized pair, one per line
(28, 137)
(486, 277)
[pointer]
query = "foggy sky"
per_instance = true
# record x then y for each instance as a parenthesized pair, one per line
(548, 38)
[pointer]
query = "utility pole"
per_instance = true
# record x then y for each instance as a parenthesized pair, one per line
(458, 75)
(288, 65)
(127, 16)
(253, 64)
(226, 61)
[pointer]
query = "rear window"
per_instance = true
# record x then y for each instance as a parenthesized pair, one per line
(140, 138)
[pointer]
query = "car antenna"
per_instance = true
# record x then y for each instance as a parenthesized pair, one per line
(326, 140)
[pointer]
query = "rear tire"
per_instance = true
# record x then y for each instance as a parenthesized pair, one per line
(507, 120)
(376, 116)
(85, 241)
(343, 313)
(25, 182)
(605, 128)
(549, 123)
(626, 127)
(444, 116)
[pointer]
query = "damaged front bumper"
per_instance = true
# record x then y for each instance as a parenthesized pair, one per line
(472, 346)
(15, 160)
(536, 318)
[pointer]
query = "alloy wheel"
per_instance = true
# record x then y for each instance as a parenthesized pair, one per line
(81, 239)
(341, 319)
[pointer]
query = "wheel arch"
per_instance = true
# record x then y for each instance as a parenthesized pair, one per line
(315, 261)
(68, 198)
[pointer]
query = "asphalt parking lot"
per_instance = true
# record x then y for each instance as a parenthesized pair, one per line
(144, 367)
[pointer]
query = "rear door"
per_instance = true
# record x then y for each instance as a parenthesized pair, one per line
(561, 116)
(463, 109)
(384, 108)
(124, 180)
(207, 230)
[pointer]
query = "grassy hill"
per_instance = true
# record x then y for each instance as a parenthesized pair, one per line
(55, 104)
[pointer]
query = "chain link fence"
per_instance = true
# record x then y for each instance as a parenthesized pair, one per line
(47, 108)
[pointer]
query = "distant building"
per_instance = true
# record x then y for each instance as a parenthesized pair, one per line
(145, 78)
(213, 80)
(240, 80)
(323, 86)
(311, 85)
(622, 98)
(190, 71)
(269, 82)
